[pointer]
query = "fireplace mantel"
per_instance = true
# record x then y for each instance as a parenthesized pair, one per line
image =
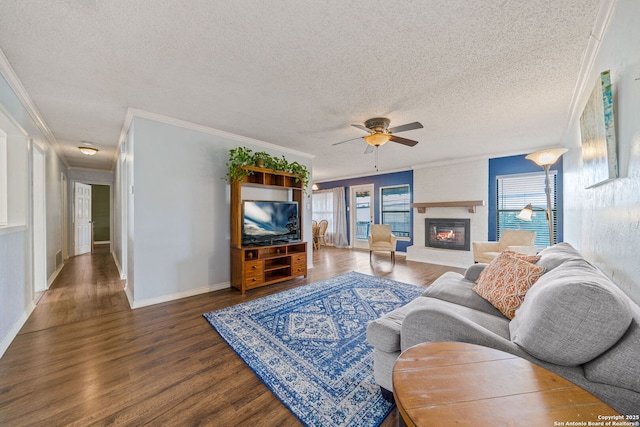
(469, 204)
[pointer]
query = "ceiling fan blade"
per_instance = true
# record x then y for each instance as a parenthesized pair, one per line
(369, 149)
(348, 140)
(364, 128)
(404, 141)
(408, 126)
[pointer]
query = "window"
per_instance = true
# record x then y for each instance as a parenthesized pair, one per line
(395, 207)
(322, 207)
(516, 191)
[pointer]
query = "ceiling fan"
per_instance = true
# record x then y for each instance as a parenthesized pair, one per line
(380, 133)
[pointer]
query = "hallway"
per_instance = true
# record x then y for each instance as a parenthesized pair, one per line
(88, 286)
(85, 358)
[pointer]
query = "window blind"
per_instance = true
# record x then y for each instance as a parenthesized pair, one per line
(514, 192)
(396, 209)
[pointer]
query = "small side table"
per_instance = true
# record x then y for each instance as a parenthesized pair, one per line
(452, 383)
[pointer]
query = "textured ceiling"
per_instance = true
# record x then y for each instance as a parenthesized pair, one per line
(482, 76)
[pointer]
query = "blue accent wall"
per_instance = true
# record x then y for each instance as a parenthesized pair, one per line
(516, 165)
(382, 180)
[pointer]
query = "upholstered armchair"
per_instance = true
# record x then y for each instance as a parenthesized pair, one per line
(381, 239)
(514, 240)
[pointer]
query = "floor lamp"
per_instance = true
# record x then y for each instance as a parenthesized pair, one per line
(545, 159)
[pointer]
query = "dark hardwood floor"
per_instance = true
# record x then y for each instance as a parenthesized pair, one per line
(85, 358)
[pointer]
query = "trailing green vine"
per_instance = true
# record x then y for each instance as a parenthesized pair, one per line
(242, 156)
(238, 157)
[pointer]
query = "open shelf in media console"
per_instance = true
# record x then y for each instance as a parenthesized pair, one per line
(272, 264)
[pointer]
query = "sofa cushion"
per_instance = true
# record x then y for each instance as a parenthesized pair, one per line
(620, 365)
(384, 332)
(439, 320)
(506, 280)
(572, 315)
(555, 255)
(453, 288)
(473, 271)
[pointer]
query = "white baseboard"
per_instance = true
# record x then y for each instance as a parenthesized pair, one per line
(13, 332)
(178, 295)
(127, 292)
(53, 277)
(115, 260)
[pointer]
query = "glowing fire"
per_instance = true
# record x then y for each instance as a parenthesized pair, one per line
(447, 235)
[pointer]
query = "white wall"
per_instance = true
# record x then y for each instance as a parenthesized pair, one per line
(54, 168)
(604, 222)
(180, 210)
(118, 210)
(449, 183)
(15, 257)
(16, 249)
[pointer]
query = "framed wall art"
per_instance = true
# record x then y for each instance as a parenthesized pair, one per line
(597, 127)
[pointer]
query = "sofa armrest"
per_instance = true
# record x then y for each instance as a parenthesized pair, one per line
(527, 250)
(443, 321)
(473, 272)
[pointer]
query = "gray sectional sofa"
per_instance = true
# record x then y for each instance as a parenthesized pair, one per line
(574, 321)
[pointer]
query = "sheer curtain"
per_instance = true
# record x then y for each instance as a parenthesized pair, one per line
(339, 218)
(330, 205)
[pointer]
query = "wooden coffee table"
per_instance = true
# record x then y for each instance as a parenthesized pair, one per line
(452, 383)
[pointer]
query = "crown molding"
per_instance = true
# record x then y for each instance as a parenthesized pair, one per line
(484, 157)
(362, 175)
(16, 85)
(583, 83)
(81, 169)
(136, 112)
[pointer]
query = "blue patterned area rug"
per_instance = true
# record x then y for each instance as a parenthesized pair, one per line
(308, 345)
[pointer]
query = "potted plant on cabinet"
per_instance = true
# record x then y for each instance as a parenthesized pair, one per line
(242, 156)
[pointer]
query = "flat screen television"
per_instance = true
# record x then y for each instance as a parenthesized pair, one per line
(269, 222)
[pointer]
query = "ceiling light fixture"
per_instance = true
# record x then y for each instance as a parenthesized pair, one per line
(377, 139)
(88, 151)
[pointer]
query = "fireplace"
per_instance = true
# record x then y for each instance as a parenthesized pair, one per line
(447, 233)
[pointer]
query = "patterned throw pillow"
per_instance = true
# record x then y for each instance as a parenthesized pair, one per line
(529, 258)
(506, 280)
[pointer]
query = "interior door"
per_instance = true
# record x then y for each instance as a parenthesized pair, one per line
(361, 215)
(82, 218)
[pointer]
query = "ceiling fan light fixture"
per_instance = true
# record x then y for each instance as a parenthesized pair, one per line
(88, 151)
(377, 139)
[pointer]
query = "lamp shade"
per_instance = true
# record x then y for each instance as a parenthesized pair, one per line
(526, 213)
(546, 157)
(377, 139)
(89, 151)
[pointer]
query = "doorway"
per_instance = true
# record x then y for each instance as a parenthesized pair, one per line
(82, 219)
(361, 214)
(101, 213)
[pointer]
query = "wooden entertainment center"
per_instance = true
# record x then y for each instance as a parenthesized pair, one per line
(255, 266)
